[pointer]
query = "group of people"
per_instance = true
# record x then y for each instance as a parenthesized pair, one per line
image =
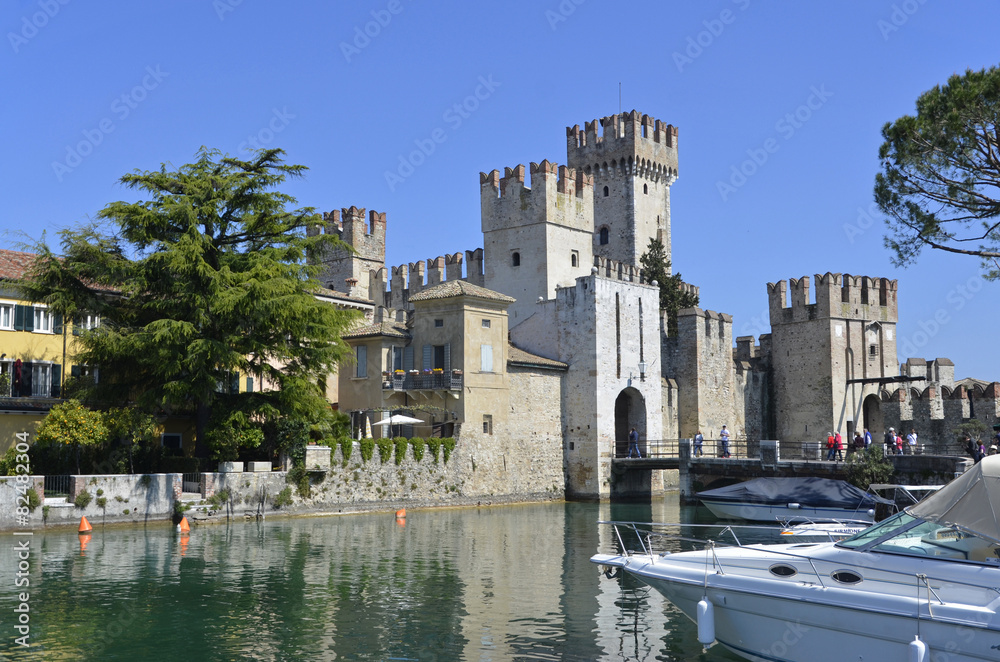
(977, 449)
(896, 445)
(699, 441)
(835, 445)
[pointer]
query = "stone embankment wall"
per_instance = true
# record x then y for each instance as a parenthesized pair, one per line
(335, 487)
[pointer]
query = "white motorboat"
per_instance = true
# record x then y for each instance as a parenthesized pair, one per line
(778, 499)
(923, 585)
(803, 529)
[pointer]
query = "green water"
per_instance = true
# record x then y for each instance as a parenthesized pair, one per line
(500, 583)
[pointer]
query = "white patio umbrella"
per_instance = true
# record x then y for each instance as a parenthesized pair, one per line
(399, 419)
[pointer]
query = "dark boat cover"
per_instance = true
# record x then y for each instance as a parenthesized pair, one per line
(807, 492)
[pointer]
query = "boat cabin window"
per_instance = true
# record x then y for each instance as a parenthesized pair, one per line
(907, 535)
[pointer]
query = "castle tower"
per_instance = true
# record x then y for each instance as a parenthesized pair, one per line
(342, 270)
(633, 160)
(536, 238)
(828, 354)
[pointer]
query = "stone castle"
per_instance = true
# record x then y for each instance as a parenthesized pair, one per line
(549, 344)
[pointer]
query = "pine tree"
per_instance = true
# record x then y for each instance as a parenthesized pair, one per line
(656, 266)
(206, 280)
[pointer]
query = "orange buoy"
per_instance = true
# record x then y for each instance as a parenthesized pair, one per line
(85, 526)
(184, 545)
(401, 521)
(84, 539)
(184, 527)
(401, 513)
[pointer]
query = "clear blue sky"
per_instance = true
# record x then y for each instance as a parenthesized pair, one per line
(96, 90)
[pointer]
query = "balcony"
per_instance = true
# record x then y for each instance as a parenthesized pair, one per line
(414, 381)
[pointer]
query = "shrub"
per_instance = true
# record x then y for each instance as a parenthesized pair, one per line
(218, 499)
(401, 444)
(434, 445)
(83, 499)
(418, 448)
(346, 446)
(384, 449)
(33, 500)
(367, 449)
(869, 466)
(449, 445)
(283, 498)
(102, 502)
(299, 477)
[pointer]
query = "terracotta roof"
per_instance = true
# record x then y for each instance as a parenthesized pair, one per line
(518, 356)
(387, 328)
(460, 288)
(14, 264)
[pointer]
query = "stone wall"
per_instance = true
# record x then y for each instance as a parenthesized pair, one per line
(524, 466)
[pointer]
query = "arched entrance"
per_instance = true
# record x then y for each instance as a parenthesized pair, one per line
(873, 416)
(630, 412)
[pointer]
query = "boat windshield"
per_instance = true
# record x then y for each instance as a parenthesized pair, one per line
(905, 534)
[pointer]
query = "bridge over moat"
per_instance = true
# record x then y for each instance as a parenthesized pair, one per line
(632, 477)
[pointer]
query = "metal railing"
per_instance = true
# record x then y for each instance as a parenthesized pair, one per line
(445, 381)
(57, 486)
(191, 482)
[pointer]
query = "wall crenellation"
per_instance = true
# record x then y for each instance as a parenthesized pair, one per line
(631, 142)
(837, 295)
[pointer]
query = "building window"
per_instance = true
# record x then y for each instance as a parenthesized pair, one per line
(574, 259)
(6, 316)
(438, 361)
(515, 259)
(86, 322)
(873, 350)
(43, 320)
(645, 189)
(439, 323)
(486, 358)
(361, 355)
(487, 424)
(603, 237)
(172, 442)
(486, 324)
(42, 380)
(249, 385)
(605, 191)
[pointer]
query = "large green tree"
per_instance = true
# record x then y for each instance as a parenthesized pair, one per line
(940, 179)
(673, 297)
(205, 279)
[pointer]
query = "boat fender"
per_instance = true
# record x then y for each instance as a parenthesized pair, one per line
(918, 650)
(794, 506)
(706, 622)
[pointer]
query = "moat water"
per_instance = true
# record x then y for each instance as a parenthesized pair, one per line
(497, 583)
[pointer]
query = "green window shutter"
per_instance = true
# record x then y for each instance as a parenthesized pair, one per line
(19, 317)
(57, 323)
(74, 371)
(428, 356)
(447, 357)
(408, 357)
(56, 380)
(249, 384)
(26, 369)
(29, 318)
(234, 382)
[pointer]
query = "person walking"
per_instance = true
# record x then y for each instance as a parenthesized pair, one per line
(831, 447)
(911, 442)
(890, 442)
(724, 436)
(868, 438)
(698, 441)
(838, 443)
(633, 443)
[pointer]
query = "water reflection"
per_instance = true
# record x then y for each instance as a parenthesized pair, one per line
(503, 583)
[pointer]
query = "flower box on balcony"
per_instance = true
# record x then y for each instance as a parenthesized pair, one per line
(438, 371)
(457, 373)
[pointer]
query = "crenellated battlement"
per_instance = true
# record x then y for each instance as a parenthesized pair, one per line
(841, 296)
(628, 143)
(556, 194)
(617, 270)
(345, 270)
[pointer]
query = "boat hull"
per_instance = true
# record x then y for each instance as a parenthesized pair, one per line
(798, 620)
(763, 512)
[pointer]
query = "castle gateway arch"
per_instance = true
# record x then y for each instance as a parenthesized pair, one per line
(630, 412)
(872, 417)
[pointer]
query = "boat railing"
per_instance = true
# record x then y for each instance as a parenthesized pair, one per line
(646, 533)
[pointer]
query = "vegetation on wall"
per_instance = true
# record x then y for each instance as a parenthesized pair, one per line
(401, 444)
(656, 266)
